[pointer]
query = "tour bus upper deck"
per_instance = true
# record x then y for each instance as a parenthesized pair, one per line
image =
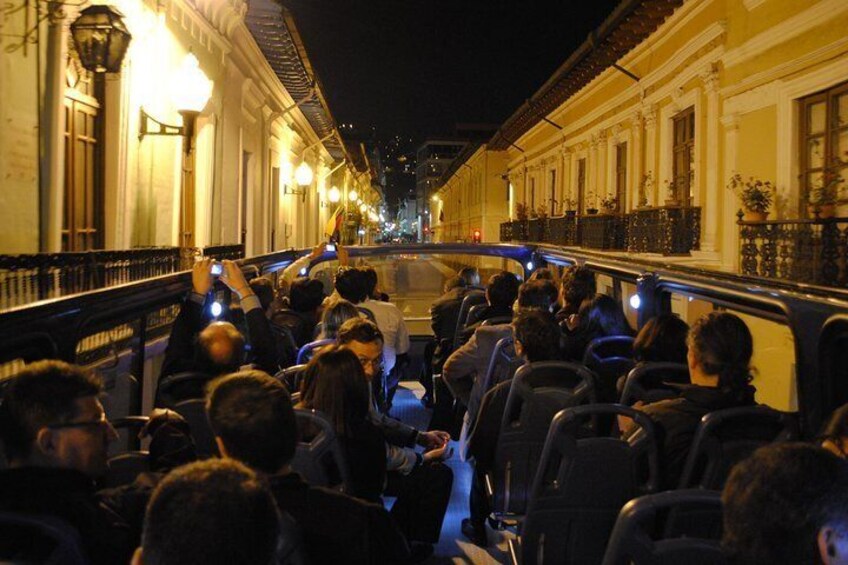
(798, 330)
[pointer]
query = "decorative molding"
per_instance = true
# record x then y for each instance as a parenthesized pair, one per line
(818, 14)
(710, 78)
(754, 99)
(730, 121)
(649, 113)
(751, 5)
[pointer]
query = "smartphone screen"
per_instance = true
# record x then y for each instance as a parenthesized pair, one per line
(331, 247)
(217, 269)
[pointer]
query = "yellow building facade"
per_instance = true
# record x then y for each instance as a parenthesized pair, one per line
(755, 87)
(63, 129)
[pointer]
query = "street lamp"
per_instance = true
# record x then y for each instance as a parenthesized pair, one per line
(334, 195)
(101, 38)
(303, 174)
(352, 196)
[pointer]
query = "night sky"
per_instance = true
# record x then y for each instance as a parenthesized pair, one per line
(415, 68)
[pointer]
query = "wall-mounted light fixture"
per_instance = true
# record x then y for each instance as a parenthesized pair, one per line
(334, 195)
(101, 38)
(352, 196)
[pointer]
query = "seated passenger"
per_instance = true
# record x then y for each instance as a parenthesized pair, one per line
(661, 340)
(444, 313)
(372, 284)
(501, 293)
(577, 285)
(536, 336)
(787, 504)
(252, 418)
(601, 316)
(543, 274)
(301, 317)
(719, 358)
(218, 348)
(471, 276)
(835, 435)
(467, 366)
(211, 512)
(336, 313)
(56, 438)
(352, 285)
(335, 384)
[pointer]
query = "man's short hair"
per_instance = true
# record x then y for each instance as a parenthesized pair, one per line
(502, 289)
(351, 285)
(539, 335)
(538, 294)
(777, 500)
(41, 395)
(306, 295)
(263, 288)
(361, 330)
(369, 275)
(252, 414)
(220, 349)
(470, 275)
(211, 512)
(578, 284)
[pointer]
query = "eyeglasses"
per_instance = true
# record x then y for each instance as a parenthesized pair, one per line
(375, 364)
(100, 423)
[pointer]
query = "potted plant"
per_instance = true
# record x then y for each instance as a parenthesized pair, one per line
(756, 196)
(570, 207)
(645, 185)
(521, 212)
(592, 209)
(822, 198)
(609, 204)
(671, 198)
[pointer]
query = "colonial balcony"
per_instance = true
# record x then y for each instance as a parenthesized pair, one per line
(809, 251)
(669, 230)
(30, 278)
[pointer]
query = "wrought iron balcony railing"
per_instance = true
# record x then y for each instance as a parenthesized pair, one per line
(669, 230)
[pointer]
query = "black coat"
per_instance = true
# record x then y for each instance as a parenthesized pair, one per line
(444, 314)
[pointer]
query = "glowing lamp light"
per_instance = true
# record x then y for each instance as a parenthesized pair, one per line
(635, 302)
(363, 207)
(530, 265)
(192, 88)
(286, 171)
(435, 198)
(303, 272)
(215, 309)
(352, 196)
(303, 174)
(334, 195)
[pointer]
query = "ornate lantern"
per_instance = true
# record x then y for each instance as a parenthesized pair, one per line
(101, 38)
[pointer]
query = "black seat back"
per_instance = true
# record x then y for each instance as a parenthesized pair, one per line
(496, 320)
(725, 437)
(307, 351)
(194, 412)
(474, 313)
(319, 457)
(126, 463)
(30, 538)
(178, 387)
(609, 358)
(640, 537)
(502, 365)
(585, 476)
(286, 344)
(295, 323)
(292, 377)
(538, 392)
(471, 299)
(651, 382)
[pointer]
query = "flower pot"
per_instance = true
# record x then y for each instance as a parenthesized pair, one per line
(591, 211)
(672, 202)
(824, 210)
(752, 216)
(570, 213)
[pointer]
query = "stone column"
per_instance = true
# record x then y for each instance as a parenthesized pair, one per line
(636, 157)
(709, 199)
(602, 190)
(592, 182)
(650, 115)
(730, 236)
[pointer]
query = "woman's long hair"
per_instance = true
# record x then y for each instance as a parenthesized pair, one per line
(603, 315)
(335, 384)
(336, 314)
(722, 345)
(662, 340)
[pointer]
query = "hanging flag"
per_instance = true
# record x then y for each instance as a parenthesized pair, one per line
(334, 225)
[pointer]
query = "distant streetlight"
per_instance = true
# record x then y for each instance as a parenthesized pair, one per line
(352, 196)
(334, 195)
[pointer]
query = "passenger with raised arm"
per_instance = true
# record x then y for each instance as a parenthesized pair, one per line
(56, 438)
(465, 368)
(719, 359)
(215, 512)
(217, 348)
(253, 421)
(536, 336)
(787, 504)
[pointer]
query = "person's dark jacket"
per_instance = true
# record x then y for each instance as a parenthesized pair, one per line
(365, 451)
(181, 353)
(676, 421)
(444, 314)
(338, 528)
(476, 318)
(68, 495)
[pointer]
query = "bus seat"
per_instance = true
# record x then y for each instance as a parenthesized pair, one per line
(31, 538)
(127, 462)
(307, 351)
(194, 412)
(725, 437)
(291, 377)
(319, 457)
(471, 299)
(538, 392)
(609, 358)
(496, 320)
(286, 343)
(175, 388)
(638, 536)
(650, 382)
(584, 478)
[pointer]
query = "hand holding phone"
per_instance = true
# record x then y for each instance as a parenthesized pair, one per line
(331, 247)
(216, 269)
